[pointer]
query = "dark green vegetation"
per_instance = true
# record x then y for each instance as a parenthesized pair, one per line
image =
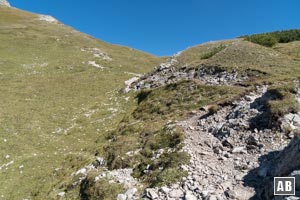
(213, 52)
(283, 100)
(270, 39)
(102, 189)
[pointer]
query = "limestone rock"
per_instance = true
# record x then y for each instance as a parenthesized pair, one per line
(4, 3)
(176, 194)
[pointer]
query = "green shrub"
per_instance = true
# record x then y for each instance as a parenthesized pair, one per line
(102, 189)
(270, 39)
(163, 171)
(263, 39)
(213, 109)
(283, 101)
(213, 52)
(149, 130)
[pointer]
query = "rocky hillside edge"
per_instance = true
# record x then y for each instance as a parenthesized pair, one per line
(230, 149)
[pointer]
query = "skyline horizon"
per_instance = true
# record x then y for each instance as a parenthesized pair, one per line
(165, 43)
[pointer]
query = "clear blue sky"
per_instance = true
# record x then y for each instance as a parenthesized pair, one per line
(163, 27)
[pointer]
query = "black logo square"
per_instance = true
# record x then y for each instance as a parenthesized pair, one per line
(284, 185)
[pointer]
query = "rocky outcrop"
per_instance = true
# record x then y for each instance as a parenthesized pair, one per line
(234, 153)
(224, 148)
(173, 71)
(48, 19)
(211, 75)
(4, 3)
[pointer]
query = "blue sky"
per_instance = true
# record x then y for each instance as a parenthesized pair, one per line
(163, 27)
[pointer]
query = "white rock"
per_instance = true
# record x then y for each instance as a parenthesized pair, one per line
(176, 193)
(129, 82)
(205, 193)
(238, 150)
(61, 194)
(121, 197)
(213, 197)
(289, 117)
(94, 64)
(81, 171)
(100, 160)
(4, 3)
(296, 120)
(48, 18)
(130, 193)
(249, 98)
(190, 196)
(151, 193)
(165, 190)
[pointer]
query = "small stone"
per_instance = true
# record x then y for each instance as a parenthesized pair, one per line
(190, 196)
(165, 190)
(121, 197)
(289, 117)
(239, 150)
(151, 193)
(205, 193)
(230, 194)
(213, 197)
(223, 158)
(249, 98)
(130, 193)
(296, 120)
(238, 177)
(176, 193)
(61, 194)
(100, 160)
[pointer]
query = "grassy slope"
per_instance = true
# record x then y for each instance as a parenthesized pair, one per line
(46, 108)
(147, 128)
(270, 64)
(53, 104)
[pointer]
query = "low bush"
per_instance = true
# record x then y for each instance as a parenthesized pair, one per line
(270, 39)
(283, 101)
(102, 189)
(213, 52)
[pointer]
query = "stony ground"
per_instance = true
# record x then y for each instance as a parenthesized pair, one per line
(224, 148)
(232, 150)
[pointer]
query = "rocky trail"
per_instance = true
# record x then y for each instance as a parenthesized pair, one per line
(228, 152)
(234, 152)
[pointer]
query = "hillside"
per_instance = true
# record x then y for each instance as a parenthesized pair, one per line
(207, 121)
(60, 91)
(84, 119)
